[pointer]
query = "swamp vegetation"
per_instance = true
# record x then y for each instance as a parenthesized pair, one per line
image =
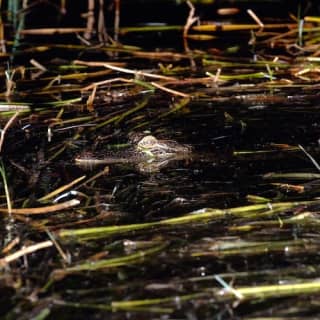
(220, 220)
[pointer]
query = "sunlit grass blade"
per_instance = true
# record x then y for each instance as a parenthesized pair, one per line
(201, 216)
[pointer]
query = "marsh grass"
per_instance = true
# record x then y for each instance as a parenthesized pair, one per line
(230, 231)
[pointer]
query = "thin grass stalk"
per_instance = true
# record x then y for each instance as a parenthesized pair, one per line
(134, 258)
(201, 216)
(276, 291)
(39, 210)
(6, 188)
(61, 189)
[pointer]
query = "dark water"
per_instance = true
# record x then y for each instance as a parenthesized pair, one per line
(240, 130)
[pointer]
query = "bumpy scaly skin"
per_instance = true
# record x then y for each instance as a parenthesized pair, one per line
(149, 154)
(160, 149)
(155, 154)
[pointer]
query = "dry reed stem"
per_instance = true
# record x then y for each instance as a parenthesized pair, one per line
(243, 27)
(66, 257)
(51, 31)
(38, 65)
(116, 20)
(255, 18)
(10, 245)
(100, 83)
(228, 11)
(119, 69)
(190, 20)
(170, 56)
(2, 38)
(6, 127)
(105, 171)
(61, 189)
(171, 91)
(24, 251)
(43, 210)
(102, 30)
(90, 20)
(90, 99)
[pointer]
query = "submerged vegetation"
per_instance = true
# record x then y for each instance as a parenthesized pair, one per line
(220, 219)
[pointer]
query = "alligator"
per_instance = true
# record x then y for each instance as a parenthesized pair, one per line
(148, 154)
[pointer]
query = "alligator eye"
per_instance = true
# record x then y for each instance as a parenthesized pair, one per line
(147, 142)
